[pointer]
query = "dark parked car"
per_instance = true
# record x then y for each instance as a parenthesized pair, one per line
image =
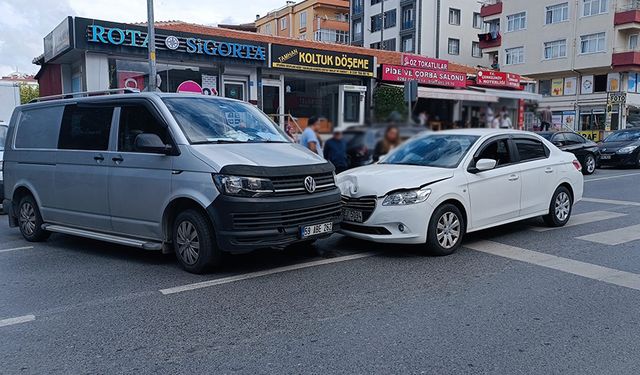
(362, 140)
(585, 150)
(621, 148)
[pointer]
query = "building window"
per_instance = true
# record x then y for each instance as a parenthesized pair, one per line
(389, 19)
(600, 83)
(555, 50)
(332, 36)
(303, 19)
(283, 23)
(374, 2)
(592, 43)
(357, 30)
(477, 20)
(358, 6)
(594, 7)
(517, 22)
(389, 45)
(557, 13)
(267, 29)
(407, 43)
(302, 36)
(454, 16)
(544, 87)
(633, 41)
(476, 51)
(454, 46)
(513, 56)
(376, 23)
(407, 18)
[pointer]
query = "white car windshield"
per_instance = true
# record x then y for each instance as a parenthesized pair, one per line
(207, 120)
(433, 150)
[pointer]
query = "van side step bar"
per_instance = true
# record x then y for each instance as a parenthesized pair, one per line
(146, 245)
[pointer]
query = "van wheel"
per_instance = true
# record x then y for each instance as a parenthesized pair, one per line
(446, 230)
(559, 208)
(30, 220)
(194, 242)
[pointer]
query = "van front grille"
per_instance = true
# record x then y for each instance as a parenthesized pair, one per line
(294, 185)
(288, 218)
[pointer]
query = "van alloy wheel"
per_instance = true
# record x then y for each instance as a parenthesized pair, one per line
(562, 206)
(27, 218)
(448, 230)
(188, 242)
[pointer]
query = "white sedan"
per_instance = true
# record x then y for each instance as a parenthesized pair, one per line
(438, 186)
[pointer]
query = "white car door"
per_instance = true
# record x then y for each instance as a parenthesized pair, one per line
(538, 174)
(494, 195)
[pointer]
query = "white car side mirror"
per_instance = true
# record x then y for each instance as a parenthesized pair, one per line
(485, 165)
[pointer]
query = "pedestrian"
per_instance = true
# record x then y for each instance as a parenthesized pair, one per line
(505, 122)
(335, 151)
(496, 122)
(489, 115)
(390, 141)
(423, 118)
(310, 136)
(546, 117)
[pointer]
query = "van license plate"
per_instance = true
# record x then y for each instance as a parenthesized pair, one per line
(314, 230)
(349, 214)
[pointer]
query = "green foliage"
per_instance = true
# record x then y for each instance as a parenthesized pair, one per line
(28, 92)
(389, 99)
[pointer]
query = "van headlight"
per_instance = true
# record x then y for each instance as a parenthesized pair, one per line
(241, 186)
(403, 198)
(627, 150)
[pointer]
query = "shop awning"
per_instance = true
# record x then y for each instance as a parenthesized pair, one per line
(509, 94)
(456, 94)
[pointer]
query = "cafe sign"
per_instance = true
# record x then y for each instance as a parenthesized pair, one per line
(492, 78)
(422, 62)
(397, 73)
(315, 60)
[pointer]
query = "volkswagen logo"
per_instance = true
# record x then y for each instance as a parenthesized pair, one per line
(310, 184)
(172, 43)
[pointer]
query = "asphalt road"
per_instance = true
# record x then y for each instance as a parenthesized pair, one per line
(515, 300)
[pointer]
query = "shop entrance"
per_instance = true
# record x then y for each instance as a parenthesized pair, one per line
(273, 99)
(235, 88)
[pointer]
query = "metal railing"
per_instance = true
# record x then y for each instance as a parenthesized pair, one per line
(84, 94)
(624, 6)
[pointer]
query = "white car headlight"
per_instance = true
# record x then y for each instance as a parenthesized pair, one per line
(403, 198)
(627, 150)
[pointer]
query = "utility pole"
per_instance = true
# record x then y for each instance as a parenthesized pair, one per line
(382, 24)
(151, 45)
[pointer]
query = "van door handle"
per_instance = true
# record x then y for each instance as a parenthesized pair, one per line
(514, 177)
(99, 158)
(548, 170)
(118, 159)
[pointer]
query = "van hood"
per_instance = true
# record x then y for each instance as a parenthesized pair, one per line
(255, 154)
(380, 179)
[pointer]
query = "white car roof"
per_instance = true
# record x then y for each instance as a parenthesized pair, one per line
(481, 132)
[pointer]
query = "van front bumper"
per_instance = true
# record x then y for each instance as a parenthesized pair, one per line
(246, 224)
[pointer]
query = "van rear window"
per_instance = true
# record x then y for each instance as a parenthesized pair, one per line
(39, 128)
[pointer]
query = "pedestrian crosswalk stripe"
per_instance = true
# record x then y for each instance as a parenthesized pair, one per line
(615, 236)
(589, 217)
(611, 201)
(575, 267)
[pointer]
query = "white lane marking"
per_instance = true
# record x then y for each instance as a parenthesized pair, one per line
(611, 177)
(16, 249)
(17, 320)
(615, 236)
(610, 201)
(586, 218)
(253, 275)
(575, 267)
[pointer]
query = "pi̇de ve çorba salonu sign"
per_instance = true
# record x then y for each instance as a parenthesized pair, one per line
(196, 45)
(313, 60)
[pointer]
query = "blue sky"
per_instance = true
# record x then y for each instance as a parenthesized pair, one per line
(24, 23)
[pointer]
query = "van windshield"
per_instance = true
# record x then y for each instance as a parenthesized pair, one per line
(3, 136)
(207, 120)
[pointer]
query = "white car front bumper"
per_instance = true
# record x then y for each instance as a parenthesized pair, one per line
(385, 224)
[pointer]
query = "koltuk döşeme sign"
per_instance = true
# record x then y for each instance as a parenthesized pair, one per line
(315, 60)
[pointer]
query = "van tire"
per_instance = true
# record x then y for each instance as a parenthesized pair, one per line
(194, 242)
(30, 221)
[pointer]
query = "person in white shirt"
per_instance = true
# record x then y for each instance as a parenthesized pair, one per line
(505, 123)
(490, 115)
(495, 124)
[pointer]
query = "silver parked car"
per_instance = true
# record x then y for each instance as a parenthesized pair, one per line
(194, 174)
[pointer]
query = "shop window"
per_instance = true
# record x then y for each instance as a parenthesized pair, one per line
(136, 120)
(85, 128)
(600, 83)
(544, 87)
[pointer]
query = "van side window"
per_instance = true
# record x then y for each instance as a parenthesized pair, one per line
(498, 151)
(135, 120)
(39, 128)
(530, 149)
(85, 128)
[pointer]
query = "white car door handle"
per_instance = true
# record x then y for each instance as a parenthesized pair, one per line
(548, 170)
(514, 177)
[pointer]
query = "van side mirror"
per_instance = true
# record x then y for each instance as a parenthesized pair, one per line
(484, 165)
(151, 143)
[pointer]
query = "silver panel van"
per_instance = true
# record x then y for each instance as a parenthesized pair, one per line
(192, 174)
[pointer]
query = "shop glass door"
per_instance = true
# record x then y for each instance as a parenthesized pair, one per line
(235, 90)
(271, 101)
(351, 100)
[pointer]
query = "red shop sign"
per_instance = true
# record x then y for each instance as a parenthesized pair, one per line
(422, 62)
(497, 79)
(396, 73)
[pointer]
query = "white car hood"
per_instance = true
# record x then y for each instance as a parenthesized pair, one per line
(380, 179)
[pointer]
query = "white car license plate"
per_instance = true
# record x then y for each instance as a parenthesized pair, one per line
(349, 214)
(606, 157)
(314, 230)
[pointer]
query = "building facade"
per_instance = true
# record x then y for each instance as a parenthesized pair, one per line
(440, 29)
(317, 20)
(583, 55)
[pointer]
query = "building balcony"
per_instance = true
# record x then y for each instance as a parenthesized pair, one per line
(491, 8)
(627, 16)
(622, 59)
(490, 41)
(331, 24)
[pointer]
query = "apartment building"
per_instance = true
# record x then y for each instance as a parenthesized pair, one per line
(317, 20)
(583, 54)
(435, 28)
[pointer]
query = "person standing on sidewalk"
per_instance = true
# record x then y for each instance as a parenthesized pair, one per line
(310, 138)
(335, 151)
(546, 117)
